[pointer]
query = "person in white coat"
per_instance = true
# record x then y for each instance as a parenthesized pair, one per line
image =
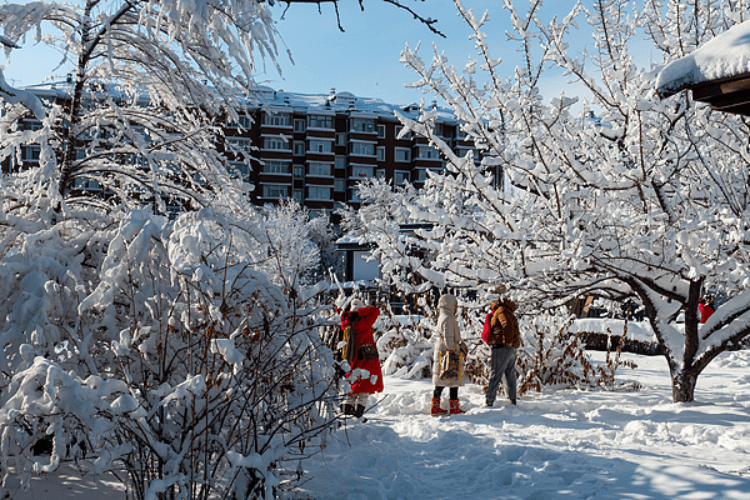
(447, 338)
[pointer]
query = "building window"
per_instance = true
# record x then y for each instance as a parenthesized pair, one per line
(407, 135)
(320, 169)
(299, 148)
(320, 121)
(363, 149)
(402, 154)
(318, 193)
(243, 121)
(299, 171)
(298, 195)
(89, 184)
(381, 131)
(275, 167)
(31, 153)
(339, 185)
(276, 143)
(400, 177)
(275, 191)
(277, 119)
(321, 146)
(239, 145)
(366, 125)
(380, 173)
(428, 153)
(341, 139)
(299, 125)
(362, 172)
(340, 162)
(29, 124)
(355, 196)
(381, 153)
(239, 168)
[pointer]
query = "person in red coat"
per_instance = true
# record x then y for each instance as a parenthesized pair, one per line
(706, 307)
(365, 376)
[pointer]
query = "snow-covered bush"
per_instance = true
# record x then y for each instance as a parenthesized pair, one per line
(553, 356)
(161, 346)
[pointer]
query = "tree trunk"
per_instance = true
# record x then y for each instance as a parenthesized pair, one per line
(683, 384)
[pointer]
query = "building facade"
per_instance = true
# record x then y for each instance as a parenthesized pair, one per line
(315, 148)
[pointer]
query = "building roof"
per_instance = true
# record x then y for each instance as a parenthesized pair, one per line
(278, 100)
(724, 58)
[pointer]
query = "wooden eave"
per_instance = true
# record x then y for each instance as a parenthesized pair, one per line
(730, 95)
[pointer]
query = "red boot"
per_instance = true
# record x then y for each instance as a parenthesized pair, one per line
(454, 407)
(436, 410)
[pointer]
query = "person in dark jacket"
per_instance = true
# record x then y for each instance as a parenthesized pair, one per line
(365, 376)
(505, 338)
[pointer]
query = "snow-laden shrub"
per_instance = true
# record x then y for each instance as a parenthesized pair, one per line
(553, 356)
(158, 347)
(404, 345)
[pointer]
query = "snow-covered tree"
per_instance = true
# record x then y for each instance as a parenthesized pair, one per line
(615, 194)
(150, 83)
(184, 351)
(161, 348)
(303, 246)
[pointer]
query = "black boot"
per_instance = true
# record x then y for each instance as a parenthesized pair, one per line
(347, 409)
(359, 411)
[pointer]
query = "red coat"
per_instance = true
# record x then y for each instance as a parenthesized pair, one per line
(362, 329)
(706, 312)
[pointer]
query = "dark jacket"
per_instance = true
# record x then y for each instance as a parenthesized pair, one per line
(505, 331)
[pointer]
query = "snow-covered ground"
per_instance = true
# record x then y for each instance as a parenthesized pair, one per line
(559, 444)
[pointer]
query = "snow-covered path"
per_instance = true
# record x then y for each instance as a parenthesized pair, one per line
(559, 444)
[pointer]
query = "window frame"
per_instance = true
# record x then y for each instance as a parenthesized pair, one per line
(398, 150)
(285, 187)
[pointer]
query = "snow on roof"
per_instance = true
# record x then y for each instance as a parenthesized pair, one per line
(344, 102)
(353, 240)
(278, 101)
(724, 56)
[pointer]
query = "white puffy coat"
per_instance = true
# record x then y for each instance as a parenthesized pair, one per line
(447, 338)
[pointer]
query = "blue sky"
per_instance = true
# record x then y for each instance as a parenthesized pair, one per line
(364, 59)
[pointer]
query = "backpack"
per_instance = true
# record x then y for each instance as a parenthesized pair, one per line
(487, 330)
(508, 335)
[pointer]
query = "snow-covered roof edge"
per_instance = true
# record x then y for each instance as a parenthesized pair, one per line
(724, 56)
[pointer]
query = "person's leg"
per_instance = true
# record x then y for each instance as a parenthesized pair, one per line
(361, 404)
(454, 401)
(498, 364)
(509, 375)
(436, 410)
(349, 404)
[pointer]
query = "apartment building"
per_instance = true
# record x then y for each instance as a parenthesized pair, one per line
(316, 148)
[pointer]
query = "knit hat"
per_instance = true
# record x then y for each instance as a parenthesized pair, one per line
(356, 304)
(500, 289)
